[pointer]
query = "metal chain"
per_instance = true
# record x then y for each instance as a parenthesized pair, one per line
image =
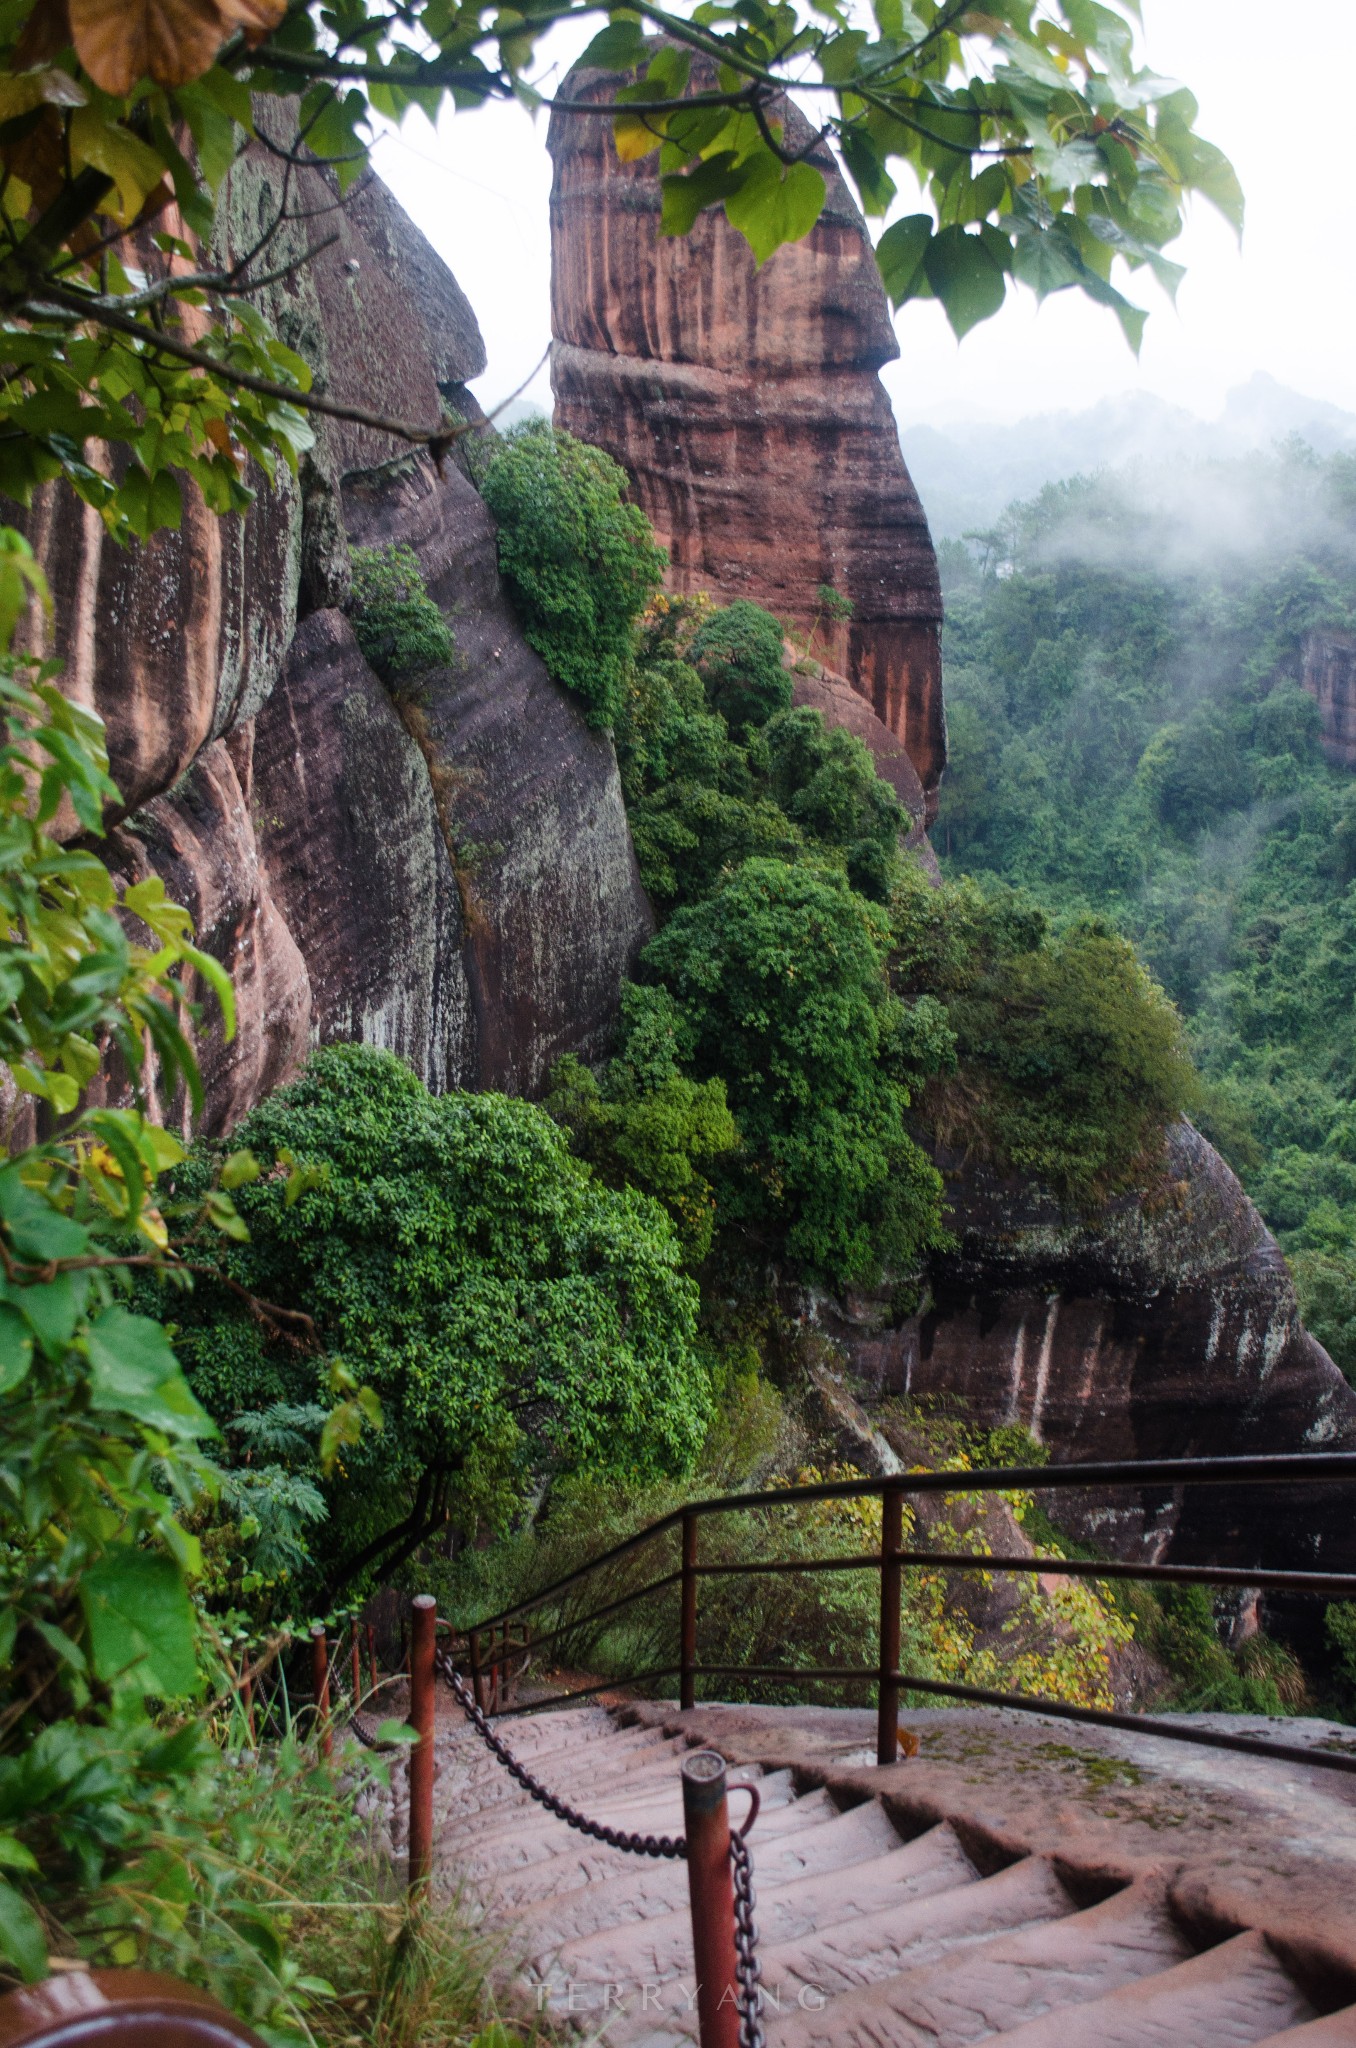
(635, 1845)
(747, 1967)
(369, 1741)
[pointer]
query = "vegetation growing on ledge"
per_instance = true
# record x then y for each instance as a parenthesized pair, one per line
(817, 991)
(398, 626)
(778, 986)
(580, 563)
(1069, 1062)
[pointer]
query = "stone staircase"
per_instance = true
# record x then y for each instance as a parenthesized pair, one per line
(978, 1895)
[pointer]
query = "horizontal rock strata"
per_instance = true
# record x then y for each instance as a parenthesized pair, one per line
(746, 407)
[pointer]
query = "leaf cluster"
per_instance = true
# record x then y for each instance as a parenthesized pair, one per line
(398, 626)
(1044, 154)
(1067, 1061)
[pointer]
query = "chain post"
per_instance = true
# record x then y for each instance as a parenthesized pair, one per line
(504, 1666)
(477, 1682)
(320, 1688)
(687, 1646)
(372, 1655)
(706, 1826)
(891, 1587)
(727, 1888)
(423, 1646)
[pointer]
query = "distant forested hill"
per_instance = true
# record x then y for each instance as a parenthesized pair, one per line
(967, 471)
(1129, 741)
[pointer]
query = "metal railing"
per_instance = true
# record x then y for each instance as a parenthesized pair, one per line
(503, 1641)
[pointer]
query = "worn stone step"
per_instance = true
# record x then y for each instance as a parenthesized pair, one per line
(786, 1905)
(816, 1832)
(477, 1804)
(592, 1740)
(1234, 1996)
(1338, 2030)
(974, 1993)
(859, 1948)
(866, 1947)
(933, 1862)
(602, 1741)
(480, 1810)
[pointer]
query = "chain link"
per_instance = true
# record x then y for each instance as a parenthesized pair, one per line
(635, 1845)
(370, 1741)
(748, 1969)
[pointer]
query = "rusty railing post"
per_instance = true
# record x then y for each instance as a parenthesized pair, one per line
(423, 1639)
(504, 1665)
(706, 1823)
(687, 1642)
(477, 1682)
(320, 1688)
(891, 1586)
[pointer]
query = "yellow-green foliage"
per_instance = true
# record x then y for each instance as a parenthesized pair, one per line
(1070, 1062)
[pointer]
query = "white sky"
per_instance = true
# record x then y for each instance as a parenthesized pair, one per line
(1286, 304)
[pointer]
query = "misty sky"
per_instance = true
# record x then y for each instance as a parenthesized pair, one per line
(1284, 305)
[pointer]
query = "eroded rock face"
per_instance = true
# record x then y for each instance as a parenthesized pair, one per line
(1169, 1328)
(838, 703)
(453, 880)
(1329, 675)
(746, 407)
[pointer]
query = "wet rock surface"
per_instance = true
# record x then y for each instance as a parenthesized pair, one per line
(1166, 1327)
(452, 877)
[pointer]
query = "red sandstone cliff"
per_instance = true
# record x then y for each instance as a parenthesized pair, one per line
(746, 407)
(266, 771)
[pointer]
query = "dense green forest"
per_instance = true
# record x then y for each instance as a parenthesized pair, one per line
(1129, 740)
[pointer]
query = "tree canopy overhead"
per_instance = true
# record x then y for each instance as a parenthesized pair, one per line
(1043, 153)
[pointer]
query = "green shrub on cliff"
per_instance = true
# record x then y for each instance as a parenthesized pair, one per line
(825, 780)
(1070, 1062)
(738, 653)
(399, 628)
(777, 983)
(705, 792)
(514, 1316)
(580, 563)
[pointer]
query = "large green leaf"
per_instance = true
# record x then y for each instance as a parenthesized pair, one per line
(686, 194)
(16, 1349)
(140, 1622)
(775, 203)
(37, 1231)
(135, 1372)
(968, 274)
(22, 1941)
(899, 256)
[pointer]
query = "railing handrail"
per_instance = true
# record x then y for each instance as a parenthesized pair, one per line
(1287, 1467)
